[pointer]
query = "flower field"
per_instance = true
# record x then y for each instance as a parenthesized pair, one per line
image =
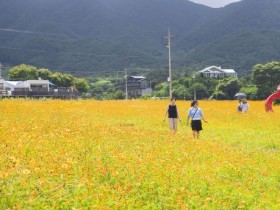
(120, 155)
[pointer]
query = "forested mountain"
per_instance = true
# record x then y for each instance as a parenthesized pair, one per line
(103, 35)
(94, 35)
(243, 34)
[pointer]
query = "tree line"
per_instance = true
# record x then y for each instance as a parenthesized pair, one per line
(27, 72)
(258, 86)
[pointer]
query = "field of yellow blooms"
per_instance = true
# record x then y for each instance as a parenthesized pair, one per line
(120, 155)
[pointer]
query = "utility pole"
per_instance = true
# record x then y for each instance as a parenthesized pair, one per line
(169, 38)
(194, 89)
(126, 92)
(1, 70)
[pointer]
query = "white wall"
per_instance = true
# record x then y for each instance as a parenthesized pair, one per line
(1, 84)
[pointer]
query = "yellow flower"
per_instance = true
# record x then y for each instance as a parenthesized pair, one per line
(64, 166)
(26, 171)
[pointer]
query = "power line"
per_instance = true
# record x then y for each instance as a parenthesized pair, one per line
(72, 53)
(26, 32)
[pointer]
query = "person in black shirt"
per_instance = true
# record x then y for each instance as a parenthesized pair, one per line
(173, 116)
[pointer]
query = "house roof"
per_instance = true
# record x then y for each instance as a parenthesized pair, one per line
(211, 69)
(13, 83)
(138, 77)
(216, 69)
(26, 83)
(38, 81)
(229, 70)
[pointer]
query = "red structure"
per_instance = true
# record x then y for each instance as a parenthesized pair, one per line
(270, 99)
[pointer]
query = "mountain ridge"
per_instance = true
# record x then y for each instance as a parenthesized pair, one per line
(112, 35)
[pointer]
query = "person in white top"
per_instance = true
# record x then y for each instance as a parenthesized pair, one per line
(245, 106)
(196, 114)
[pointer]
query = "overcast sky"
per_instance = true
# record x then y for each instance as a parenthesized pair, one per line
(215, 3)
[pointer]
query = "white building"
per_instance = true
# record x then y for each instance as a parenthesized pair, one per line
(2, 84)
(35, 84)
(10, 85)
(28, 84)
(215, 71)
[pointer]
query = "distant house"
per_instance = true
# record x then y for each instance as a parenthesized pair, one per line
(136, 86)
(10, 85)
(2, 84)
(217, 72)
(2, 89)
(36, 88)
(35, 85)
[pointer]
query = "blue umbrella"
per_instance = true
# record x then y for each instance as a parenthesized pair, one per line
(240, 95)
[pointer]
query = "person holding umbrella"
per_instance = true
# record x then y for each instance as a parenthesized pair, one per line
(241, 97)
(239, 106)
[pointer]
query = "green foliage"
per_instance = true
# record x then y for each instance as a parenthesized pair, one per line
(204, 86)
(128, 38)
(119, 95)
(219, 95)
(56, 78)
(266, 77)
(82, 85)
(180, 91)
(62, 80)
(251, 91)
(276, 102)
(183, 88)
(104, 89)
(161, 90)
(240, 36)
(68, 80)
(227, 88)
(27, 72)
(146, 97)
(233, 37)
(23, 72)
(44, 74)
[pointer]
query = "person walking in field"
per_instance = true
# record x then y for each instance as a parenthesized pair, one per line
(196, 114)
(173, 116)
(245, 106)
(240, 105)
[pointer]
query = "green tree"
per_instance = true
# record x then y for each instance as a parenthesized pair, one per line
(119, 95)
(44, 74)
(266, 77)
(68, 80)
(23, 72)
(161, 90)
(227, 88)
(180, 91)
(62, 80)
(102, 89)
(82, 85)
(56, 78)
(251, 91)
(202, 91)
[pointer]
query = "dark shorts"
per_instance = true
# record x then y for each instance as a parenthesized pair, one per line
(196, 125)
